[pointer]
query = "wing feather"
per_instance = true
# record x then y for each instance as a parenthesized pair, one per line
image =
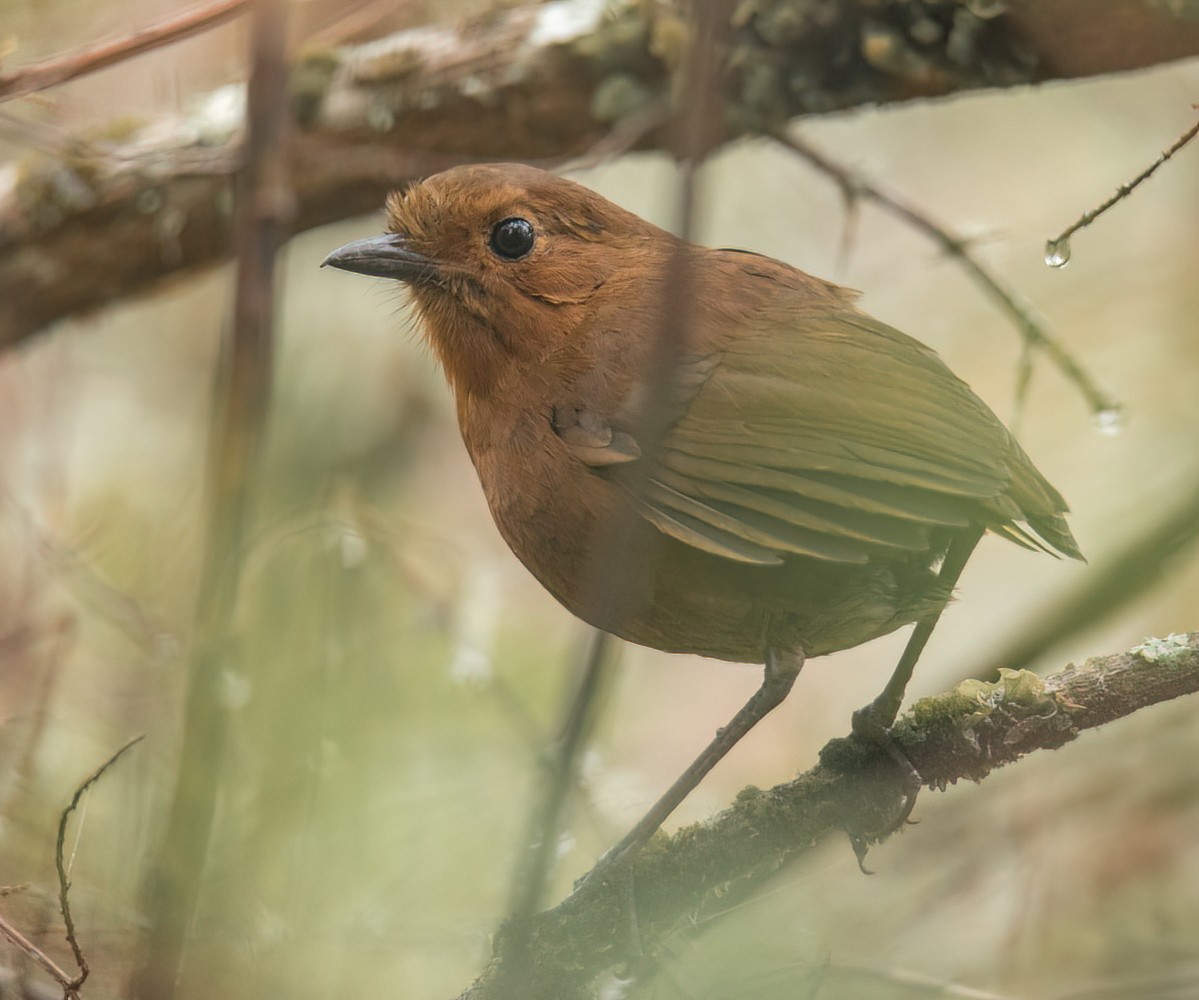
(770, 455)
(707, 538)
(773, 534)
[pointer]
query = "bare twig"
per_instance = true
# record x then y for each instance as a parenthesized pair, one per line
(541, 839)
(854, 186)
(79, 62)
(263, 214)
(623, 135)
(618, 561)
(1057, 250)
(63, 978)
(70, 984)
(614, 554)
(64, 881)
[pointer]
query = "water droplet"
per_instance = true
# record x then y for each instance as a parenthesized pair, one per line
(1057, 253)
(1110, 421)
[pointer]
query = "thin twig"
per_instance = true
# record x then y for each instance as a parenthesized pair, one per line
(70, 991)
(622, 137)
(1024, 370)
(64, 882)
(79, 62)
(264, 213)
(541, 840)
(849, 228)
(1057, 250)
(614, 557)
(1034, 334)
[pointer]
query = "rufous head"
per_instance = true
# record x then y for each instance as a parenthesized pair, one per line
(503, 260)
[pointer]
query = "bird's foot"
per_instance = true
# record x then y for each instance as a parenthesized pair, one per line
(873, 725)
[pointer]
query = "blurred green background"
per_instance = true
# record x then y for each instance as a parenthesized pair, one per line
(407, 672)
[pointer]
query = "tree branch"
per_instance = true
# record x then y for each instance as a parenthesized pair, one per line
(115, 216)
(236, 445)
(64, 881)
(1057, 249)
(679, 879)
(70, 984)
(1035, 334)
(72, 65)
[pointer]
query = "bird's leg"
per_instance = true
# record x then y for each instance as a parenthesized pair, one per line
(881, 713)
(874, 721)
(782, 667)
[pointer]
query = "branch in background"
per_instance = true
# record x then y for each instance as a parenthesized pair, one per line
(264, 209)
(854, 186)
(682, 879)
(610, 561)
(79, 62)
(112, 218)
(539, 849)
(1057, 250)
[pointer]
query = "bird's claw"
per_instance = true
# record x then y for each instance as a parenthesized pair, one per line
(866, 726)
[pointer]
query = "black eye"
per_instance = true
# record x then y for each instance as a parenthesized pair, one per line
(513, 238)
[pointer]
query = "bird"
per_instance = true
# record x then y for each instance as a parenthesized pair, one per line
(701, 450)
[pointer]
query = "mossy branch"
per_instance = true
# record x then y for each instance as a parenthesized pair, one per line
(113, 213)
(620, 924)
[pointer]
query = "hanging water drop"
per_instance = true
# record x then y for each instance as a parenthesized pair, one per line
(1109, 421)
(1057, 252)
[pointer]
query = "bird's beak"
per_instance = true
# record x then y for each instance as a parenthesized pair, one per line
(382, 257)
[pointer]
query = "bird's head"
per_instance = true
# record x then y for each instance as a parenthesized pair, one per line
(505, 262)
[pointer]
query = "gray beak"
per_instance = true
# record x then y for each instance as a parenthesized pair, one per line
(382, 257)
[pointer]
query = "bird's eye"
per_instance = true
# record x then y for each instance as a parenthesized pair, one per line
(513, 238)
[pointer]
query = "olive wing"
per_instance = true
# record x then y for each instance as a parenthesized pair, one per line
(771, 455)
